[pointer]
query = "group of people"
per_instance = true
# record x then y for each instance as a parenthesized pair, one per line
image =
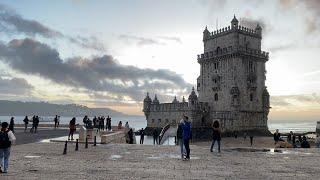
(35, 123)
(98, 122)
(294, 141)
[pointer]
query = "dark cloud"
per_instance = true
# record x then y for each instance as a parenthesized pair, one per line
(252, 24)
(14, 86)
(11, 22)
(101, 74)
(140, 41)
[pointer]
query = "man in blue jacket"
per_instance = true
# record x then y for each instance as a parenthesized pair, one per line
(186, 135)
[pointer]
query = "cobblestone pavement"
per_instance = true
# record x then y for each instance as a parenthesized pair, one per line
(123, 161)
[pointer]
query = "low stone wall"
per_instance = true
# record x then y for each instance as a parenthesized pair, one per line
(117, 137)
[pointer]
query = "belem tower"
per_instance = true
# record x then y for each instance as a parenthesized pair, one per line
(231, 86)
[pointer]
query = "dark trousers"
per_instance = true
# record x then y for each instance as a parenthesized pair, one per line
(186, 145)
(251, 140)
(141, 139)
(155, 140)
(219, 144)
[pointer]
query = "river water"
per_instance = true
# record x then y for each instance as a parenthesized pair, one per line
(139, 122)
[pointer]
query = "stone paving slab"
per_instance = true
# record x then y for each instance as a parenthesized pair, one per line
(123, 161)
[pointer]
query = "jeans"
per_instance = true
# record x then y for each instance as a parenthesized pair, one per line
(186, 145)
(213, 141)
(182, 149)
(4, 158)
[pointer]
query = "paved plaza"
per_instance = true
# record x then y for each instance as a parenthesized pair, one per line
(123, 161)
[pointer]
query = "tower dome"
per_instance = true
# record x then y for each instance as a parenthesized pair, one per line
(193, 98)
(147, 99)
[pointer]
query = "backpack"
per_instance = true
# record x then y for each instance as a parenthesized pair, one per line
(4, 140)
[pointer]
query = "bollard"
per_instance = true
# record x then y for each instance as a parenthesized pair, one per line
(77, 144)
(65, 148)
(86, 146)
(95, 141)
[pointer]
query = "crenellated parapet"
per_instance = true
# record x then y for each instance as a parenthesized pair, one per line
(233, 50)
(227, 30)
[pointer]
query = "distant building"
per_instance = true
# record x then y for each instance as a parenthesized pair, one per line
(231, 86)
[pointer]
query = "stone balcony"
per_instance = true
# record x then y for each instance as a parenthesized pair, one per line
(233, 50)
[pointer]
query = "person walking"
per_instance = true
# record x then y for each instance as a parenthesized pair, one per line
(11, 125)
(72, 128)
(180, 139)
(186, 134)
(216, 135)
(26, 122)
(141, 136)
(33, 122)
(7, 138)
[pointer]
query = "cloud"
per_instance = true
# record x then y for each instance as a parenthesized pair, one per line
(11, 22)
(14, 86)
(100, 74)
(169, 38)
(140, 41)
(252, 24)
(295, 101)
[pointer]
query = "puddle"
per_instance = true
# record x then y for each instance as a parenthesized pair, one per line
(32, 156)
(115, 157)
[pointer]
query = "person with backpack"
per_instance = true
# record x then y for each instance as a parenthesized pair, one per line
(26, 122)
(6, 139)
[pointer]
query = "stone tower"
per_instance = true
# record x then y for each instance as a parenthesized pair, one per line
(232, 77)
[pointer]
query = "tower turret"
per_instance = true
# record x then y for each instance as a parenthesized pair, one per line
(193, 98)
(155, 100)
(234, 22)
(146, 105)
(258, 29)
(206, 34)
(175, 100)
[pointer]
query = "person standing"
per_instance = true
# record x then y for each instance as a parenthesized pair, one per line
(155, 136)
(276, 136)
(72, 128)
(102, 123)
(120, 125)
(141, 136)
(33, 123)
(55, 122)
(216, 135)
(130, 134)
(7, 138)
(85, 121)
(251, 139)
(95, 122)
(11, 125)
(179, 138)
(58, 121)
(109, 123)
(36, 124)
(186, 134)
(26, 122)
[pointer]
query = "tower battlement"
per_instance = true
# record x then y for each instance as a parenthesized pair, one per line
(233, 50)
(227, 30)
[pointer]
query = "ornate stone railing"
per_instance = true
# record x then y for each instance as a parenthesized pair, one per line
(231, 50)
(226, 30)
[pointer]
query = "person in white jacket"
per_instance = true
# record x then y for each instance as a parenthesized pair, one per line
(7, 138)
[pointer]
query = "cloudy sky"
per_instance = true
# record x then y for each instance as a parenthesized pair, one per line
(110, 53)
